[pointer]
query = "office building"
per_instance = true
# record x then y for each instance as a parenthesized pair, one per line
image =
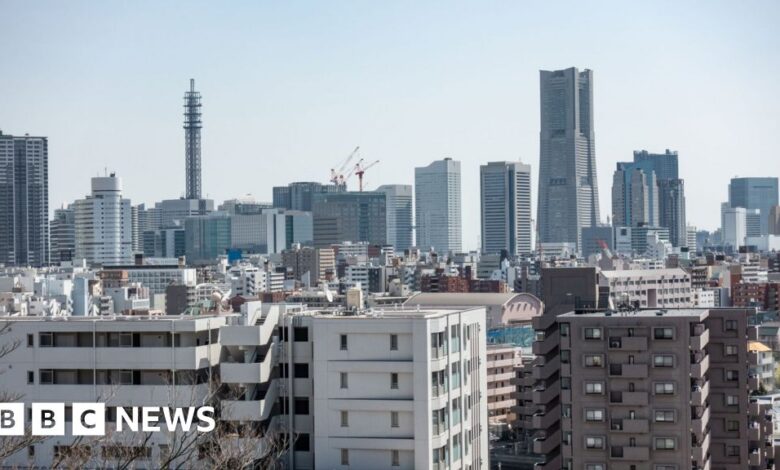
(568, 188)
(270, 231)
(774, 220)
(671, 201)
(167, 242)
(399, 215)
(648, 288)
(438, 206)
(63, 235)
(755, 193)
(309, 265)
(733, 225)
(634, 197)
(299, 196)
(246, 205)
(103, 224)
(24, 200)
(648, 389)
(596, 239)
(172, 212)
(206, 237)
(505, 201)
(349, 216)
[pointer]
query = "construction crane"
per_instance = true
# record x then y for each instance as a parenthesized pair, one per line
(360, 170)
(337, 177)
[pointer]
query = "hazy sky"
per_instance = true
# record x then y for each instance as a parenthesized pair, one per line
(290, 88)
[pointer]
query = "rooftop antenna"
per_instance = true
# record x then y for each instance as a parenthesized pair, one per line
(192, 126)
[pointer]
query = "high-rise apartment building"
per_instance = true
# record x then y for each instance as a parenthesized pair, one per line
(103, 224)
(399, 215)
(755, 193)
(648, 389)
(505, 199)
(350, 216)
(568, 188)
(438, 206)
(63, 235)
(24, 200)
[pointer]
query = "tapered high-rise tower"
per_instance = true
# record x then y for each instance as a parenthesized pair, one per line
(568, 190)
(192, 126)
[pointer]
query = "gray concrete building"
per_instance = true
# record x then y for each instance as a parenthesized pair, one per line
(24, 200)
(349, 216)
(505, 202)
(568, 189)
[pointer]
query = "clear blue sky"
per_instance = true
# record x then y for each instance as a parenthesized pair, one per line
(289, 88)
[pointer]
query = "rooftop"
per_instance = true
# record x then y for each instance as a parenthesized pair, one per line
(647, 313)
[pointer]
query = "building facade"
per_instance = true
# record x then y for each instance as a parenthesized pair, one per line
(349, 216)
(437, 198)
(568, 188)
(755, 193)
(400, 233)
(103, 224)
(505, 201)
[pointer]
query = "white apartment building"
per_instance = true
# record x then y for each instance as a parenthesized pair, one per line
(103, 224)
(649, 288)
(157, 277)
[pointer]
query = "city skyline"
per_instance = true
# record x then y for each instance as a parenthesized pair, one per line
(270, 109)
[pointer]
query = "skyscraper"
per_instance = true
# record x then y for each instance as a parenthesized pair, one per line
(437, 209)
(349, 216)
(634, 197)
(63, 241)
(192, 126)
(103, 224)
(399, 215)
(24, 200)
(755, 193)
(568, 189)
(505, 200)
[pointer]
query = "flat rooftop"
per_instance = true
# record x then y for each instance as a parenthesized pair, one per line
(392, 312)
(646, 313)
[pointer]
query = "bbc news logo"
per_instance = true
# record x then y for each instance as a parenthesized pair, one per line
(89, 419)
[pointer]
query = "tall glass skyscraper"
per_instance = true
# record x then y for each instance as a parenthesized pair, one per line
(437, 211)
(505, 201)
(399, 215)
(568, 189)
(755, 193)
(24, 200)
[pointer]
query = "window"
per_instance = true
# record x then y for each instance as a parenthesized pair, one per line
(592, 333)
(564, 330)
(395, 458)
(664, 388)
(394, 342)
(732, 400)
(125, 377)
(664, 443)
(594, 415)
(46, 340)
(730, 325)
(593, 360)
(30, 451)
(665, 467)
(732, 375)
(301, 370)
(301, 406)
(30, 341)
(594, 442)
(732, 451)
(344, 382)
(302, 443)
(30, 377)
(394, 419)
(664, 416)
(46, 377)
(594, 388)
(344, 419)
(663, 360)
(565, 355)
(565, 383)
(594, 466)
(732, 425)
(300, 334)
(663, 333)
(343, 342)
(394, 380)
(731, 350)
(344, 456)
(125, 340)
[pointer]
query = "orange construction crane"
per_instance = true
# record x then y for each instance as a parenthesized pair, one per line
(360, 170)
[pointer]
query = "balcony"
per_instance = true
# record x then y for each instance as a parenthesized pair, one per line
(628, 343)
(250, 410)
(547, 444)
(699, 425)
(699, 395)
(754, 433)
(544, 346)
(546, 419)
(633, 426)
(698, 342)
(754, 458)
(641, 454)
(250, 372)
(700, 450)
(543, 396)
(699, 369)
(754, 382)
(543, 371)
(628, 398)
(553, 463)
(628, 371)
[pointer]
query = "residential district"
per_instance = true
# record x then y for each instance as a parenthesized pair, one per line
(341, 327)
